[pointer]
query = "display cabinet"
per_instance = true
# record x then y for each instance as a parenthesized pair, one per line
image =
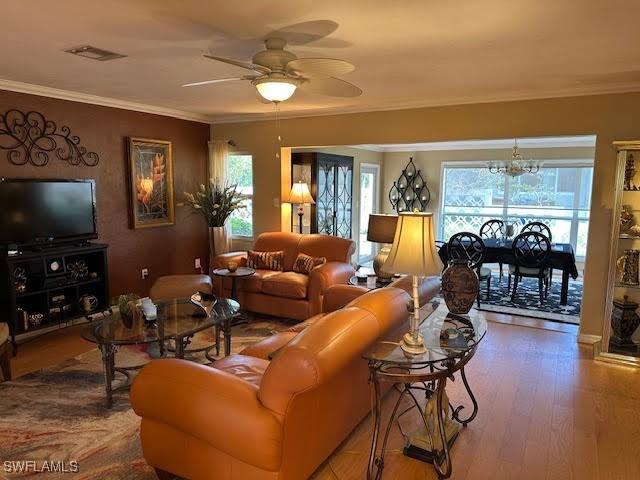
(621, 335)
(330, 178)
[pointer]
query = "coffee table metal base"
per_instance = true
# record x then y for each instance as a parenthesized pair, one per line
(108, 352)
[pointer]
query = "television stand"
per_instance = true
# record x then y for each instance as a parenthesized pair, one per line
(51, 287)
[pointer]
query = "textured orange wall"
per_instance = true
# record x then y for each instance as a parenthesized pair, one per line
(104, 130)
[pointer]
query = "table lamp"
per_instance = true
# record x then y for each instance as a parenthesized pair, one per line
(300, 195)
(414, 253)
(382, 229)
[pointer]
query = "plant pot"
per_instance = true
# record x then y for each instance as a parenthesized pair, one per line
(460, 287)
(218, 241)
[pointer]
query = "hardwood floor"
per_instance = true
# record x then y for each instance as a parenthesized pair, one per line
(547, 411)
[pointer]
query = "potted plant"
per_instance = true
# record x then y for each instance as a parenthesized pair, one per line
(126, 306)
(215, 202)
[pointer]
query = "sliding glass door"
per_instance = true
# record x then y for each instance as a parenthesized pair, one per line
(559, 195)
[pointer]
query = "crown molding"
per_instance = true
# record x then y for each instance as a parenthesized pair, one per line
(42, 91)
(575, 141)
(213, 119)
(414, 105)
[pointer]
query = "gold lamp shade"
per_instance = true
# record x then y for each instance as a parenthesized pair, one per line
(414, 253)
(414, 248)
(300, 193)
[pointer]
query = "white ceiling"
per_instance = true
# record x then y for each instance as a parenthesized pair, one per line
(407, 53)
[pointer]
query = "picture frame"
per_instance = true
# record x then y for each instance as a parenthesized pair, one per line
(151, 190)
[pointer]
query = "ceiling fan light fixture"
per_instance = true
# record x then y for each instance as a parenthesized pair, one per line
(276, 89)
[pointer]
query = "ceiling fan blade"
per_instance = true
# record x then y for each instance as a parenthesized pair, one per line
(217, 80)
(331, 86)
(304, 32)
(239, 63)
(320, 67)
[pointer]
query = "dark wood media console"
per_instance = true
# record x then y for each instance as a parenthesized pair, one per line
(53, 287)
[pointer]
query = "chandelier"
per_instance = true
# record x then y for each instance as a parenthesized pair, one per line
(516, 166)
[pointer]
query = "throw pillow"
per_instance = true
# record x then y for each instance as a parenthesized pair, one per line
(266, 260)
(306, 263)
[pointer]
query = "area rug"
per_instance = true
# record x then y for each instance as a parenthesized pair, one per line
(527, 302)
(56, 417)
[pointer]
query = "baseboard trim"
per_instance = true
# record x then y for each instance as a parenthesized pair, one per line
(589, 339)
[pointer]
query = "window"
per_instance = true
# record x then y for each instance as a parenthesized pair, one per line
(559, 195)
(240, 173)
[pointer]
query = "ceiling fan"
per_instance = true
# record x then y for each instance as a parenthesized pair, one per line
(277, 73)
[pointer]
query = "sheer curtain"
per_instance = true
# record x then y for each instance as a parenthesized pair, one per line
(217, 172)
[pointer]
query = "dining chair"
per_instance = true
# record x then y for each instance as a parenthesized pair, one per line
(539, 227)
(493, 229)
(544, 229)
(531, 253)
(469, 246)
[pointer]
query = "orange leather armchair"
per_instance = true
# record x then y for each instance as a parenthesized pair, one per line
(251, 418)
(289, 294)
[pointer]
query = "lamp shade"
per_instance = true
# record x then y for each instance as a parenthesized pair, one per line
(300, 193)
(382, 228)
(414, 250)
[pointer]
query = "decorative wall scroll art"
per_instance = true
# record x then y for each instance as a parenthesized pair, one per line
(410, 191)
(30, 139)
(151, 182)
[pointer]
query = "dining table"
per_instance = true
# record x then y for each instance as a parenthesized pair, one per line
(561, 257)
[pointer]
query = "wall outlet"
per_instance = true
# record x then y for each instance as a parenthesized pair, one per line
(197, 264)
(145, 273)
(276, 202)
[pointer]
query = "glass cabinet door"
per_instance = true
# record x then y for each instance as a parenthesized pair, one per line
(343, 201)
(326, 198)
(621, 330)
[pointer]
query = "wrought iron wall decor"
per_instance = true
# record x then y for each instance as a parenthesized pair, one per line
(30, 138)
(410, 191)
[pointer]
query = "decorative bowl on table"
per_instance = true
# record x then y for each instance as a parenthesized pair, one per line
(232, 266)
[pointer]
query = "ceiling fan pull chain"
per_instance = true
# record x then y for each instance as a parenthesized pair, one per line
(276, 106)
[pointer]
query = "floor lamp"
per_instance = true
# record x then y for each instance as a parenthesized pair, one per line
(301, 196)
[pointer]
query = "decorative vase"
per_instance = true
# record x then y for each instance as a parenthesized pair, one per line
(218, 241)
(624, 321)
(460, 286)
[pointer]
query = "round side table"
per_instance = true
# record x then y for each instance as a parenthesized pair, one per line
(241, 272)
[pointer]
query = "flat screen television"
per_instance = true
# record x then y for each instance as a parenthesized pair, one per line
(35, 212)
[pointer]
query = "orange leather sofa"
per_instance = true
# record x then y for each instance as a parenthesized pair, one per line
(248, 417)
(289, 294)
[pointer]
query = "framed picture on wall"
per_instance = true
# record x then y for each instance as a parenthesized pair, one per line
(150, 183)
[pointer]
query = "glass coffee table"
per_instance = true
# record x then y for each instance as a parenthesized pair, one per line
(177, 321)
